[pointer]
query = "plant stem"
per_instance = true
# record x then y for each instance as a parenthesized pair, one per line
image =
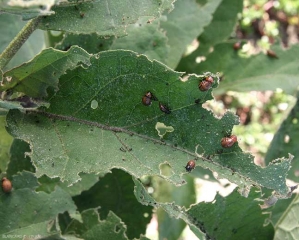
(18, 41)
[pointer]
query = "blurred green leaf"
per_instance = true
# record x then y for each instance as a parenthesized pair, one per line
(5, 143)
(278, 210)
(10, 25)
(287, 226)
(146, 38)
(184, 24)
(102, 17)
(93, 228)
(170, 228)
(219, 29)
(233, 217)
(32, 218)
(114, 192)
(28, 9)
(285, 141)
(33, 78)
(143, 37)
(258, 72)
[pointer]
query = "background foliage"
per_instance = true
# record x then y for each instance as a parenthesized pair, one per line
(91, 161)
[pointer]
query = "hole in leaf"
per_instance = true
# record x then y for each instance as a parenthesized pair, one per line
(117, 228)
(286, 138)
(94, 104)
(165, 169)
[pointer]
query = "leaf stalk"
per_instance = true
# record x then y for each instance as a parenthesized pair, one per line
(18, 41)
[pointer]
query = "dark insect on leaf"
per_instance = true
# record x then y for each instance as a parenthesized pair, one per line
(164, 108)
(190, 165)
(237, 46)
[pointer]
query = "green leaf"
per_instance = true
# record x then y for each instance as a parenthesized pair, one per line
(143, 37)
(102, 17)
(225, 218)
(33, 78)
(10, 25)
(19, 183)
(92, 43)
(285, 141)
(94, 228)
(32, 218)
(279, 209)
(219, 29)
(114, 192)
(19, 161)
(87, 181)
(146, 38)
(287, 226)
(5, 143)
(259, 72)
(120, 132)
(184, 24)
(28, 9)
(233, 217)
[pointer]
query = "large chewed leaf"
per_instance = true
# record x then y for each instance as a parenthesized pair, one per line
(103, 17)
(259, 72)
(103, 195)
(233, 217)
(31, 217)
(184, 24)
(288, 225)
(219, 29)
(10, 25)
(28, 9)
(285, 142)
(33, 78)
(97, 121)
